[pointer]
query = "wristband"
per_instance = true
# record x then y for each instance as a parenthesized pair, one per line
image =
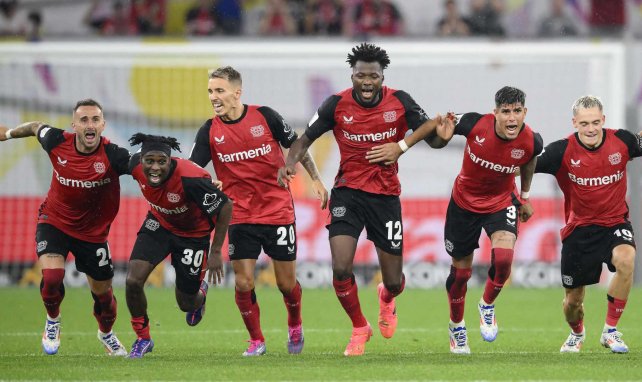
(525, 194)
(8, 134)
(403, 145)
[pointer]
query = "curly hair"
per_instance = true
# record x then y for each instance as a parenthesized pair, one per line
(139, 138)
(368, 53)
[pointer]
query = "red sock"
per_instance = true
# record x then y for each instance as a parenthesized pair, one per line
(105, 307)
(293, 305)
(456, 286)
(249, 308)
(52, 290)
(348, 295)
(577, 327)
(387, 296)
(498, 274)
(615, 308)
(141, 327)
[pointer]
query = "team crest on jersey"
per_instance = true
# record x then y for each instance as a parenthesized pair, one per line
(575, 163)
(174, 198)
(478, 140)
(517, 153)
(152, 224)
(99, 167)
(348, 120)
(257, 131)
(390, 116)
(219, 140)
(615, 158)
(42, 245)
(338, 211)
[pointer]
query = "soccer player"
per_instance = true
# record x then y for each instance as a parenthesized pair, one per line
(365, 194)
(81, 204)
(185, 206)
(485, 196)
(590, 168)
(244, 144)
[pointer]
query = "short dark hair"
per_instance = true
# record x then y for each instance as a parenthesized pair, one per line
(227, 73)
(368, 53)
(155, 142)
(509, 95)
(87, 102)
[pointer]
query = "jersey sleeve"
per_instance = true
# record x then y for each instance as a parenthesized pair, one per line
(201, 152)
(415, 115)
(50, 137)
(538, 145)
(550, 159)
(202, 192)
(280, 129)
(632, 141)
(118, 158)
(466, 122)
(323, 119)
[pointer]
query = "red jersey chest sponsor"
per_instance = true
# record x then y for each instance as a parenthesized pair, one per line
(170, 205)
(594, 182)
(358, 129)
(84, 196)
(486, 181)
(246, 158)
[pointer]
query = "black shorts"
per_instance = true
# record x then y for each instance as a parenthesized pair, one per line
(277, 241)
(189, 254)
(463, 228)
(351, 210)
(93, 259)
(586, 248)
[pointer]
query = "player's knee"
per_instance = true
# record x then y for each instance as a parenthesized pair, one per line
(394, 288)
(286, 286)
(501, 264)
(341, 272)
(244, 284)
(624, 262)
(458, 277)
(134, 283)
(52, 279)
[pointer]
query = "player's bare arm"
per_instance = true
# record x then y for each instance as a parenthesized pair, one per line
(27, 129)
(317, 185)
(526, 177)
(444, 132)
(214, 260)
(388, 153)
(298, 149)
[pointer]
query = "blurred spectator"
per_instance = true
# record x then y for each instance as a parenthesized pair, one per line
(119, 22)
(377, 18)
(230, 15)
(607, 18)
(12, 22)
(149, 16)
(323, 17)
(557, 23)
(485, 18)
(98, 13)
(33, 32)
(452, 24)
(277, 19)
(202, 19)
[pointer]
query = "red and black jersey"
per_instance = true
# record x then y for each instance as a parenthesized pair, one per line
(84, 196)
(246, 154)
(186, 203)
(486, 182)
(593, 180)
(358, 127)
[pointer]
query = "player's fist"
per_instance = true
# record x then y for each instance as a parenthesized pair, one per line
(285, 175)
(3, 132)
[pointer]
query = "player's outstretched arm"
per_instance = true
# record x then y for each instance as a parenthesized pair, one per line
(298, 149)
(444, 132)
(317, 185)
(388, 153)
(27, 129)
(526, 177)
(214, 259)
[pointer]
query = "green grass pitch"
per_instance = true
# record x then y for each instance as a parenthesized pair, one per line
(531, 332)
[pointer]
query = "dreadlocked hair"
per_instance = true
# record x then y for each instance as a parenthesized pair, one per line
(368, 53)
(139, 138)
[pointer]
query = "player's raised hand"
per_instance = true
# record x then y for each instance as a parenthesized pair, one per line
(215, 267)
(446, 129)
(3, 132)
(321, 192)
(285, 175)
(525, 211)
(388, 153)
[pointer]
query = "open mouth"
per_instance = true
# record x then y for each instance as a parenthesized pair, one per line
(218, 108)
(512, 129)
(90, 136)
(367, 93)
(154, 178)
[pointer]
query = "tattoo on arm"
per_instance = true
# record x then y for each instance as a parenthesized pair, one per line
(310, 167)
(27, 129)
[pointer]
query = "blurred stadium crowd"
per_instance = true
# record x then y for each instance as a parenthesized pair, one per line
(35, 20)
